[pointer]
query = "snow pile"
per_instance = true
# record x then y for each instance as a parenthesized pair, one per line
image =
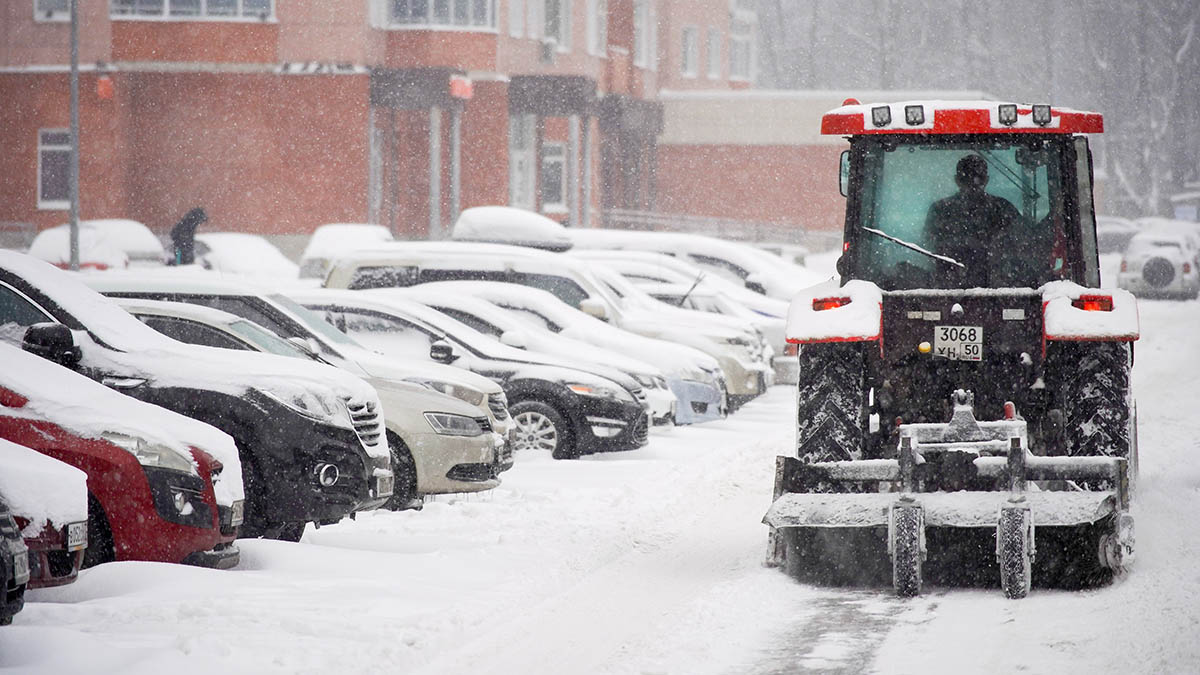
(508, 225)
(89, 409)
(113, 242)
(1064, 321)
(41, 488)
(859, 319)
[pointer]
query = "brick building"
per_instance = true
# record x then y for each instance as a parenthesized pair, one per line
(278, 116)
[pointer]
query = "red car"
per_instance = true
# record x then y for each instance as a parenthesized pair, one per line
(48, 501)
(156, 490)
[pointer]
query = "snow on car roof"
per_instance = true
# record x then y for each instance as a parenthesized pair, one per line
(99, 240)
(509, 225)
(173, 280)
(955, 117)
(183, 310)
(244, 253)
(41, 488)
(341, 236)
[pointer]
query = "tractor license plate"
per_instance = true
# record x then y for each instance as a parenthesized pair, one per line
(76, 536)
(958, 343)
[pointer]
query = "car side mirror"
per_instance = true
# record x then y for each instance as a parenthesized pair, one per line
(442, 352)
(514, 338)
(307, 345)
(594, 307)
(53, 342)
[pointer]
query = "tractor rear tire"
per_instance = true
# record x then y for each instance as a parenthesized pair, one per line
(1096, 400)
(830, 416)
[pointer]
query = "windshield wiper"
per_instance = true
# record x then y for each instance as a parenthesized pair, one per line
(696, 283)
(913, 247)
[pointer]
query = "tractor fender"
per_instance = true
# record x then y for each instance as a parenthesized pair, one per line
(1073, 312)
(829, 313)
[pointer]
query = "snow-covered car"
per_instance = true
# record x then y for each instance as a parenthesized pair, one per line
(739, 262)
(792, 253)
(310, 437)
(574, 281)
(693, 376)
(1113, 233)
(557, 407)
(14, 566)
(678, 282)
(490, 320)
(1161, 263)
(464, 451)
(48, 499)
(160, 486)
(108, 243)
(244, 254)
(510, 225)
(329, 241)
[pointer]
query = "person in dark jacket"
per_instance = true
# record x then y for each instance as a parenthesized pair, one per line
(965, 226)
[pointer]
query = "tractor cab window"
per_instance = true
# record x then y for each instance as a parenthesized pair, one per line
(976, 213)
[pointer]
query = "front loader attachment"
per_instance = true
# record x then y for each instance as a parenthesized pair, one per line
(958, 476)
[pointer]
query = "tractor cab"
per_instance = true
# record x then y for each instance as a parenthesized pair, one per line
(966, 194)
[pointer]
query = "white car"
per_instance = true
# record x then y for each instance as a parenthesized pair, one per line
(693, 376)
(242, 253)
(574, 281)
(740, 263)
(1161, 263)
(109, 243)
(490, 320)
(678, 282)
(329, 241)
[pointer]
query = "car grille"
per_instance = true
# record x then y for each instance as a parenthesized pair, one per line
(498, 404)
(365, 417)
(484, 423)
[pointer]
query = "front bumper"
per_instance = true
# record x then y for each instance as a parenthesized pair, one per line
(696, 401)
(14, 572)
(744, 379)
(52, 562)
(604, 425)
(447, 464)
(221, 557)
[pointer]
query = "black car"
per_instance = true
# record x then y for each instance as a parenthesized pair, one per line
(569, 411)
(311, 442)
(14, 566)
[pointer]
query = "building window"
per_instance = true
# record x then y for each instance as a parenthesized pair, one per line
(689, 53)
(557, 15)
(54, 169)
(554, 177)
(643, 34)
(597, 27)
(52, 10)
(714, 54)
(522, 131)
(516, 18)
(741, 50)
(442, 13)
(193, 9)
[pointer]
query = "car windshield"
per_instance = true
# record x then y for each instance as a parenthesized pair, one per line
(313, 321)
(971, 213)
(265, 340)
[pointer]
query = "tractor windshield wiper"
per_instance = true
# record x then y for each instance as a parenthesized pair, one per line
(912, 247)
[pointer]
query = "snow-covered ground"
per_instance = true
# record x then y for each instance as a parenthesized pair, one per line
(643, 562)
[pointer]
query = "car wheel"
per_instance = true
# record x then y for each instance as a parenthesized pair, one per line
(404, 468)
(541, 427)
(100, 548)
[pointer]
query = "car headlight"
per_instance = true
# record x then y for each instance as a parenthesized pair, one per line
(448, 424)
(319, 407)
(458, 391)
(151, 454)
(614, 393)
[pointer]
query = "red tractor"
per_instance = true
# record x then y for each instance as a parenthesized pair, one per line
(969, 291)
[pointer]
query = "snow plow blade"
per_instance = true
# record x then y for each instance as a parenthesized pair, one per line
(942, 509)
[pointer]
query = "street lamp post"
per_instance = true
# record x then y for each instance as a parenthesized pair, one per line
(73, 172)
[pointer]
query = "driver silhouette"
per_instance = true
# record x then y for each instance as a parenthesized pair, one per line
(965, 225)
